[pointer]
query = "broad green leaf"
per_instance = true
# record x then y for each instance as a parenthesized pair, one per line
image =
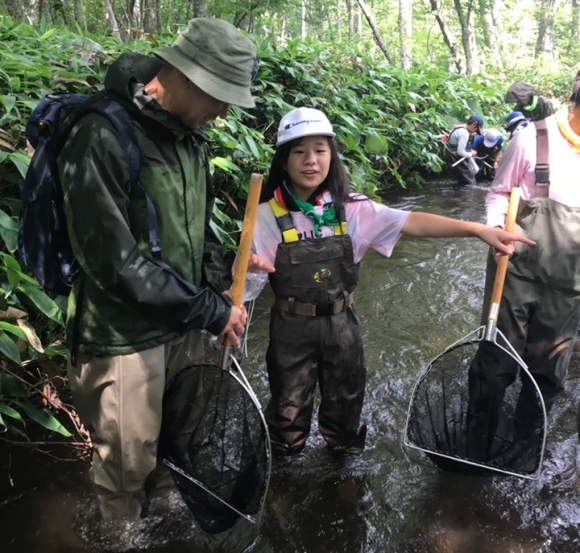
(9, 231)
(48, 34)
(375, 143)
(13, 329)
(12, 387)
(21, 161)
(8, 102)
(8, 348)
(42, 301)
(9, 412)
(225, 164)
(252, 145)
(45, 419)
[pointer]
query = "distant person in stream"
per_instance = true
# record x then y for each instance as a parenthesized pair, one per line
(529, 101)
(314, 229)
(489, 148)
(515, 122)
(459, 157)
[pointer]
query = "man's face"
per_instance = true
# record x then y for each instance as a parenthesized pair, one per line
(196, 108)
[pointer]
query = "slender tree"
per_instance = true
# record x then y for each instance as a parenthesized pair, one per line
(150, 16)
(112, 20)
(406, 32)
(545, 43)
(466, 22)
(199, 8)
(376, 34)
(350, 12)
(490, 32)
(448, 37)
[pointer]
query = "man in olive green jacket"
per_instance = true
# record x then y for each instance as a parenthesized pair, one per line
(138, 323)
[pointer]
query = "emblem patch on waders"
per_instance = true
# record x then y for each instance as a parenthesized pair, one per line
(321, 275)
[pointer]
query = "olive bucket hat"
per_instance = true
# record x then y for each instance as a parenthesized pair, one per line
(217, 58)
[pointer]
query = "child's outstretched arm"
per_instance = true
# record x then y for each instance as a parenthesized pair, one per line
(427, 225)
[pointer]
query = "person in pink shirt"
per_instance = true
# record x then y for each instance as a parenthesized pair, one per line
(540, 308)
(314, 230)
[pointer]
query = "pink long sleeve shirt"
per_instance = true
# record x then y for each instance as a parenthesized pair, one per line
(517, 168)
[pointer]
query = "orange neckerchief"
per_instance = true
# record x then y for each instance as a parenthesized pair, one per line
(566, 130)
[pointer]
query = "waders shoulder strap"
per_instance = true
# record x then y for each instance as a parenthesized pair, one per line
(287, 227)
(542, 154)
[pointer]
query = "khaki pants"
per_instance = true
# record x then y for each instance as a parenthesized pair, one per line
(119, 400)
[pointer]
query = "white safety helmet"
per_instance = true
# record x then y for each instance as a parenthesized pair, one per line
(302, 122)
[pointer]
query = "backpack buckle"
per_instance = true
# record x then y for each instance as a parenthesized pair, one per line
(155, 247)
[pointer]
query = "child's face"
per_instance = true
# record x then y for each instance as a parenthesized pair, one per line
(308, 164)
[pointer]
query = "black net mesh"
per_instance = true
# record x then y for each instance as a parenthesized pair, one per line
(214, 433)
(474, 403)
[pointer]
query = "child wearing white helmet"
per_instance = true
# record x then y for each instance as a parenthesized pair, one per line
(314, 229)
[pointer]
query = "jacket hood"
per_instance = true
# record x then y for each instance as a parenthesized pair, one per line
(129, 69)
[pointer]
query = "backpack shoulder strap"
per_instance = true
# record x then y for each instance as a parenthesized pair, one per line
(542, 154)
(115, 110)
(118, 112)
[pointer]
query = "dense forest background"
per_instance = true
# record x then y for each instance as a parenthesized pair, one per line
(391, 75)
(464, 36)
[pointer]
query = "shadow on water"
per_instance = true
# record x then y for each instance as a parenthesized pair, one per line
(427, 295)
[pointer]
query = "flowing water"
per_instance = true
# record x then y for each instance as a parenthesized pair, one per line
(412, 305)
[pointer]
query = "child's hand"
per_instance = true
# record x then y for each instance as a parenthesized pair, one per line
(502, 241)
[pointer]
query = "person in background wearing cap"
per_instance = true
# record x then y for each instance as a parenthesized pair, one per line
(458, 155)
(314, 230)
(489, 148)
(138, 323)
(540, 308)
(515, 122)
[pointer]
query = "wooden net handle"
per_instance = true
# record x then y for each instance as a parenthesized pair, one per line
(502, 264)
(245, 249)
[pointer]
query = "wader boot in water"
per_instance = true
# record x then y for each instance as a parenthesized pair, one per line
(539, 314)
(315, 336)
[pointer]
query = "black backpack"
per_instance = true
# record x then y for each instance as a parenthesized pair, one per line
(43, 241)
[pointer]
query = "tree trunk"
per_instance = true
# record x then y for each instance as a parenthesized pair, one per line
(199, 8)
(338, 20)
(16, 9)
(79, 13)
(376, 34)
(545, 44)
(448, 37)
(135, 15)
(574, 27)
(111, 20)
(350, 9)
(42, 10)
(303, 20)
(406, 32)
(150, 19)
(491, 33)
(466, 21)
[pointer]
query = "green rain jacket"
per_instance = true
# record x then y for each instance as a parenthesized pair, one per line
(128, 302)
